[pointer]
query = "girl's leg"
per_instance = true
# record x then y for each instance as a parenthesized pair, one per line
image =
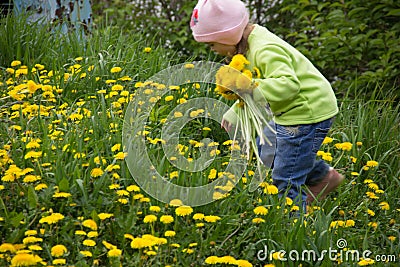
(295, 158)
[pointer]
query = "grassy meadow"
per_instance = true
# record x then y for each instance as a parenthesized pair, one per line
(69, 199)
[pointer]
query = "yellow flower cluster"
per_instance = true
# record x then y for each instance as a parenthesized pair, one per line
(227, 260)
(235, 78)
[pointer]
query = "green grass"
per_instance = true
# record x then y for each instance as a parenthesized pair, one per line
(78, 170)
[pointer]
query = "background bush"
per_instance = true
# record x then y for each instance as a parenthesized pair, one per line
(348, 40)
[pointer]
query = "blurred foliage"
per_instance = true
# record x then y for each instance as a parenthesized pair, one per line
(356, 44)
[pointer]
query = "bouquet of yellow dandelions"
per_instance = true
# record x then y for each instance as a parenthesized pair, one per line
(235, 82)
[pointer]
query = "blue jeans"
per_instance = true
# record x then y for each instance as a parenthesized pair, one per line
(295, 163)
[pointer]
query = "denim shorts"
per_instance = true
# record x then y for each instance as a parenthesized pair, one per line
(295, 163)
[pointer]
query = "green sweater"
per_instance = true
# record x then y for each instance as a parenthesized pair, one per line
(295, 90)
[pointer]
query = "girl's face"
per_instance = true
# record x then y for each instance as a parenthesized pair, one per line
(223, 49)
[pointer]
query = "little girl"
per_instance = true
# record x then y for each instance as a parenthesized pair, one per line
(300, 97)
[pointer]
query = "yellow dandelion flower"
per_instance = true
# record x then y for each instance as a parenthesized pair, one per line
(113, 253)
(278, 255)
(144, 199)
(244, 83)
(271, 189)
(108, 245)
(61, 195)
(188, 66)
(169, 98)
(212, 260)
(198, 216)
(155, 208)
(151, 253)
(213, 174)
(33, 154)
(7, 247)
(91, 224)
(150, 218)
(59, 261)
(52, 219)
(174, 174)
(92, 234)
(147, 49)
(384, 205)
(15, 63)
(373, 186)
(115, 69)
(346, 146)
(260, 210)
(327, 157)
(33, 144)
(89, 243)
(349, 223)
(86, 253)
(176, 202)
(227, 260)
(31, 178)
(365, 262)
(58, 250)
(138, 243)
(80, 232)
(114, 186)
(336, 224)
(123, 201)
(120, 155)
(183, 210)
(25, 259)
(174, 87)
(169, 233)
(133, 188)
(117, 87)
(122, 193)
(181, 101)
(258, 220)
(289, 201)
(238, 62)
(187, 250)
(372, 195)
(243, 263)
(35, 248)
(30, 232)
(212, 218)
(370, 212)
(102, 216)
(372, 163)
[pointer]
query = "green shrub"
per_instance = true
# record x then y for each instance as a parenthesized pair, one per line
(354, 43)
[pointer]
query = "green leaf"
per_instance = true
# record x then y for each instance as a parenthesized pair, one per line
(16, 219)
(357, 11)
(32, 197)
(394, 12)
(63, 186)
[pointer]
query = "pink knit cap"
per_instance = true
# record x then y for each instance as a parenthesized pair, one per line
(219, 21)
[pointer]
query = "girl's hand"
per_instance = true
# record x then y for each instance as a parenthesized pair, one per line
(226, 125)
